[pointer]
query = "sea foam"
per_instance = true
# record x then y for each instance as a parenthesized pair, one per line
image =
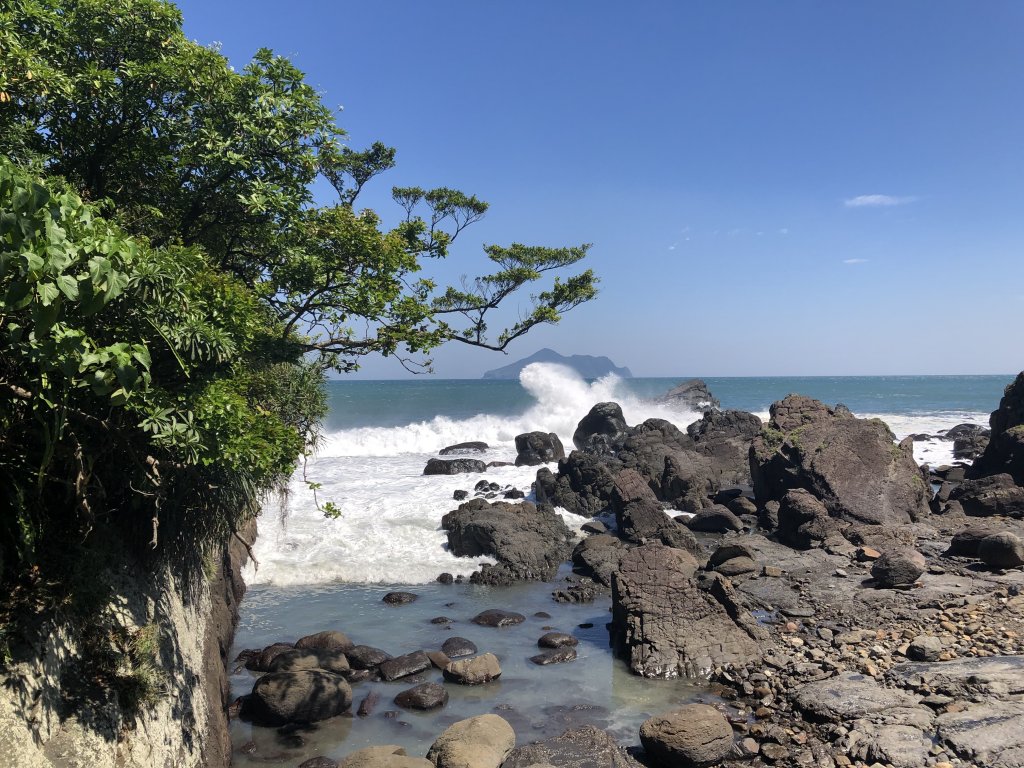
(389, 531)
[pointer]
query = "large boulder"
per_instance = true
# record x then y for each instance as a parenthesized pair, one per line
(665, 623)
(715, 519)
(329, 640)
(453, 466)
(896, 568)
(598, 557)
(693, 736)
(852, 465)
(528, 541)
(583, 747)
(693, 395)
(535, 448)
(724, 437)
(990, 495)
(479, 742)
(603, 427)
(1005, 451)
(297, 697)
(582, 486)
(638, 513)
(803, 521)
(969, 441)
(1002, 550)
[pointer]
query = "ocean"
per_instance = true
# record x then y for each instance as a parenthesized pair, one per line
(316, 573)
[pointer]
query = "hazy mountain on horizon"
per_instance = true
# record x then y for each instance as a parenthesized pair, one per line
(587, 366)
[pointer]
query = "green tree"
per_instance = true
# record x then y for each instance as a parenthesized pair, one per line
(171, 294)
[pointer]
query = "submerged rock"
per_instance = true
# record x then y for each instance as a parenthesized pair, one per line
(475, 671)
(496, 617)
(554, 656)
(297, 697)
(423, 697)
(383, 757)
(583, 747)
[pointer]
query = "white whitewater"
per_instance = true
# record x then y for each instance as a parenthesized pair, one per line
(390, 531)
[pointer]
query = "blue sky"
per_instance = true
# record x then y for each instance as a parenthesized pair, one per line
(791, 188)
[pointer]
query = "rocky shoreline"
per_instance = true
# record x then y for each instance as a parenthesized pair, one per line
(847, 606)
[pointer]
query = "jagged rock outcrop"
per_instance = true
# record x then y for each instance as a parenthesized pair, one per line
(1005, 451)
(990, 495)
(692, 394)
(852, 465)
(724, 437)
(528, 541)
(665, 623)
(533, 448)
(582, 486)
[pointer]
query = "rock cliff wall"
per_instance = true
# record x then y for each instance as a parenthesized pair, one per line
(53, 715)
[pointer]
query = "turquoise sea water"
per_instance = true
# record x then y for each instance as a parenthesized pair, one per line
(395, 403)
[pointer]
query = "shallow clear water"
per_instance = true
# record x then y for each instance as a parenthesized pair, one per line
(537, 701)
(320, 574)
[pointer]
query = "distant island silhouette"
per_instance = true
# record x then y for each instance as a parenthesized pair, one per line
(587, 366)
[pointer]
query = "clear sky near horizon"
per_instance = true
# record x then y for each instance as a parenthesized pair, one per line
(791, 188)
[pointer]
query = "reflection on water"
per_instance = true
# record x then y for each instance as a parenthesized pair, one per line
(538, 701)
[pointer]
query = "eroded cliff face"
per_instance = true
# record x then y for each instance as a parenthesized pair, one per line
(52, 715)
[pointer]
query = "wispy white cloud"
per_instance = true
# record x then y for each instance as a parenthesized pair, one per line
(877, 201)
(855, 261)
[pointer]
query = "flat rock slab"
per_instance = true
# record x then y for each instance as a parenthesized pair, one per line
(584, 747)
(902, 746)
(990, 734)
(403, 666)
(994, 675)
(848, 696)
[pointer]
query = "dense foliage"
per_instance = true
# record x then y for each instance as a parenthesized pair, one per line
(171, 294)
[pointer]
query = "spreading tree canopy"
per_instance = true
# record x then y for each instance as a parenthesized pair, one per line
(172, 295)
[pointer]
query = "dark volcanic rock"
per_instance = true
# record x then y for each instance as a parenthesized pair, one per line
(724, 437)
(990, 495)
(969, 441)
(453, 466)
(897, 568)
(693, 736)
(297, 697)
(665, 624)
(470, 447)
(1005, 451)
(535, 448)
(692, 394)
(495, 617)
(583, 484)
(403, 666)
(457, 647)
(1002, 550)
(598, 557)
(261, 660)
(554, 656)
(400, 598)
(803, 521)
(716, 519)
(966, 541)
(366, 656)
(528, 541)
(556, 640)
(424, 696)
(603, 427)
(638, 513)
(667, 460)
(584, 747)
(852, 465)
